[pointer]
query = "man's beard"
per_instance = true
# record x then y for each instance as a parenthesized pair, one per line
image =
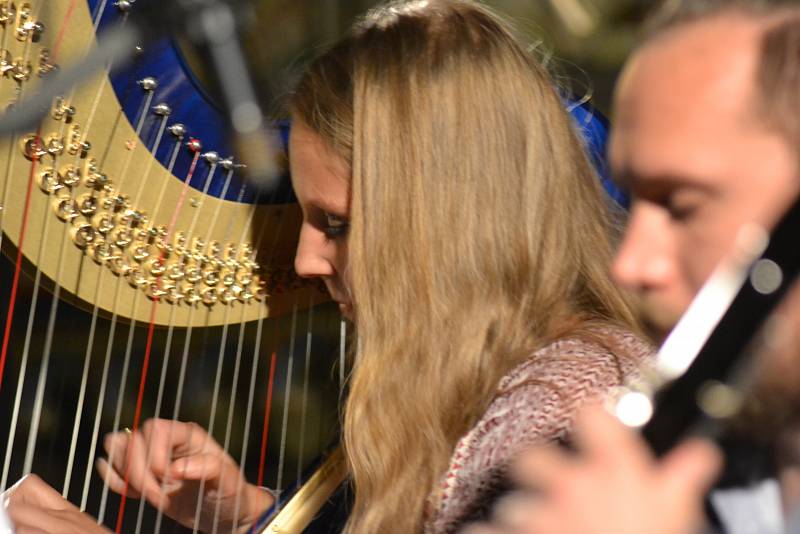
(768, 410)
(772, 402)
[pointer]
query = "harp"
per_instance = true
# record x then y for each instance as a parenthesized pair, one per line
(145, 277)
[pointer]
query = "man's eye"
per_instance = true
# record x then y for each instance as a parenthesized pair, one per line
(335, 226)
(680, 210)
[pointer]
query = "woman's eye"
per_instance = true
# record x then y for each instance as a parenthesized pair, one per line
(335, 226)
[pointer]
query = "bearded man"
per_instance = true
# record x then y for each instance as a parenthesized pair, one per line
(707, 139)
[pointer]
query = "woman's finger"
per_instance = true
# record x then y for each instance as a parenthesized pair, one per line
(115, 482)
(205, 466)
(164, 440)
(29, 518)
(24, 529)
(33, 490)
(129, 455)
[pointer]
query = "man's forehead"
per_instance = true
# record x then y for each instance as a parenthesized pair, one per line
(689, 88)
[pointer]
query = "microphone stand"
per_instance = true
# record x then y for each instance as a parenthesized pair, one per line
(210, 22)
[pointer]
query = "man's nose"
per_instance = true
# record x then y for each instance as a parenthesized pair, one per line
(643, 259)
(310, 260)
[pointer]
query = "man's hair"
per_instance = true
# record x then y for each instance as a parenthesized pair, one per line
(670, 13)
(777, 98)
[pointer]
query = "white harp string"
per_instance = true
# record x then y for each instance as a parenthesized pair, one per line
(111, 337)
(286, 400)
(304, 402)
(43, 371)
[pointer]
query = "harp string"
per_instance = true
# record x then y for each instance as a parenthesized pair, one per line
(95, 311)
(9, 317)
(98, 14)
(235, 381)
(179, 393)
(109, 346)
(118, 407)
(171, 327)
(112, 332)
(45, 363)
(151, 328)
(342, 353)
(214, 220)
(17, 270)
(24, 226)
(120, 397)
(220, 361)
(217, 380)
(286, 400)
(260, 233)
(6, 181)
(41, 382)
(87, 356)
(159, 400)
(212, 418)
(267, 412)
(248, 414)
(231, 405)
(181, 381)
(304, 403)
(176, 408)
(43, 371)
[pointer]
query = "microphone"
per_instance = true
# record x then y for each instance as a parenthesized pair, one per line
(212, 23)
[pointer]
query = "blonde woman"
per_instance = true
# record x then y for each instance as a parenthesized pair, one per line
(452, 212)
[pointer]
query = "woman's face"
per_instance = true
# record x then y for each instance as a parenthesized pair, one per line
(321, 182)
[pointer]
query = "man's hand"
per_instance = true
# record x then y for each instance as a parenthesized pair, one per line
(614, 485)
(167, 462)
(36, 508)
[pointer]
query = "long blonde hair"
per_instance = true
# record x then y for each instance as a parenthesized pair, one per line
(478, 233)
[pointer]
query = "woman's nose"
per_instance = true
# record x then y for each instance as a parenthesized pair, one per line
(311, 259)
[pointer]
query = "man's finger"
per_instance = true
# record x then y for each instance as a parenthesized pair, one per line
(691, 468)
(515, 511)
(482, 528)
(602, 438)
(541, 468)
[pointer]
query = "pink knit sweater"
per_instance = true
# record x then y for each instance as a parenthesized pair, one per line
(535, 404)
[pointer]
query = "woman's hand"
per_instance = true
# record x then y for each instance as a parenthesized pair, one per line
(167, 462)
(36, 508)
(613, 485)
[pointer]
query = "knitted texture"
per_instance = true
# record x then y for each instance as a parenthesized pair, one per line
(535, 404)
